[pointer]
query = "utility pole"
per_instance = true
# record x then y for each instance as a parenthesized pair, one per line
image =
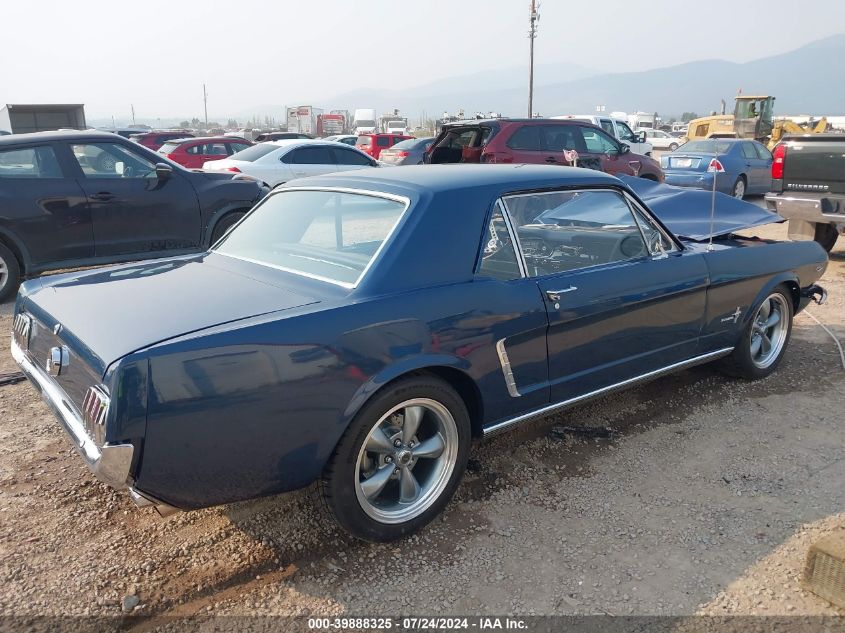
(533, 18)
(133, 113)
(205, 104)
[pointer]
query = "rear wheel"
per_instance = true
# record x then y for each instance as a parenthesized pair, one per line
(10, 273)
(673, 147)
(738, 190)
(826, 235)
(764, 340)
(400, 460)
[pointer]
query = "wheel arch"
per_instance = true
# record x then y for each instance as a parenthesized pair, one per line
(786, 279)
(451, 370)
(19, 250)
(219, 215)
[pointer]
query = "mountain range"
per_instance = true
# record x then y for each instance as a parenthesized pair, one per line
(802, 81)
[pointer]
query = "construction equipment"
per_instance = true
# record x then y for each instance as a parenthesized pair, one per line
(753, 118)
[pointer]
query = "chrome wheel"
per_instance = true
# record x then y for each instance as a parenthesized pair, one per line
(406, 461)
(739, 189)
(769, 330)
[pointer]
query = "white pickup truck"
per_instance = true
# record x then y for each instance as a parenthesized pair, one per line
(617, 129)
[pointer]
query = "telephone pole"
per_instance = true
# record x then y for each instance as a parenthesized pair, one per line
(133, 113)
(205, 104)
(533, 18)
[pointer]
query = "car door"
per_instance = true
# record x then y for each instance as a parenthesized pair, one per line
(132, 210)
(349, 159)
(42, 204)
(765, 156)
(311, 160)
(626, 135)
(622, 299)
(608, 152)
(752, 166)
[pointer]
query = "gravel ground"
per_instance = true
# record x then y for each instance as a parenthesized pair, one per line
(703, 500)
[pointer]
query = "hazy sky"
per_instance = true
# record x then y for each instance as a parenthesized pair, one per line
(156, 54)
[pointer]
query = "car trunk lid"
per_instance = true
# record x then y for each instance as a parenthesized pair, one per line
(815, 164)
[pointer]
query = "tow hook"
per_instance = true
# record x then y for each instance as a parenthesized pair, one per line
(816, 293)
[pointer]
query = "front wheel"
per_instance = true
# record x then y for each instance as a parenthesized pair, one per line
(224, 224)
(673, 147)
(10, 273)
(400, 460)
(764, 339)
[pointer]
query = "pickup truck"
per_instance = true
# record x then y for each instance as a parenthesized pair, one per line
(808, 186)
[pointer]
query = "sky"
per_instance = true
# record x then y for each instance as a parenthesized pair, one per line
(157, 54)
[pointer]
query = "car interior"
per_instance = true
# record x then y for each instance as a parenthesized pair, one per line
(461, 145)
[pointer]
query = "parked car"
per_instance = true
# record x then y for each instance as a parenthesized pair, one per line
(662, 140)
(745, 166)
(73, 199)
(353, 329)
(193, 153)
(409, 152)
(346, 139)
(539, 141)
(280, 136)
(154, 140)
(373, 144)
(618, 129)
(125, 132)
(275, 162)
(808, 185)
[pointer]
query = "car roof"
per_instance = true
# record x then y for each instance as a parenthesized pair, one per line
(206, 139)
(58, 135)
(441, 178)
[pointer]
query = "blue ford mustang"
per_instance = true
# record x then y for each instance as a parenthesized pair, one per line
(361, 329)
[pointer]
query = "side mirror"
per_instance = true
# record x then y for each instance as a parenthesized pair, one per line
(624, 148)
(163, 171)
(642, 137)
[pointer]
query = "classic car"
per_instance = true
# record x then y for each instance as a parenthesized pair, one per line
(362, 328)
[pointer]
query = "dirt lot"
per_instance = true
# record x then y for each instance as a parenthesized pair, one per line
(703, 501)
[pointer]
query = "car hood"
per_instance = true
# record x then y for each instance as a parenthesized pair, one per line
(109, 313)
(687, 212)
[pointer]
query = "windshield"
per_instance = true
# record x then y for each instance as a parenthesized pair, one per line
(365, 123)
(328, 235)
(252, 154)
(708, 146)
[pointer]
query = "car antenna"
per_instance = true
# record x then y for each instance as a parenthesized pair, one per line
(715, 166)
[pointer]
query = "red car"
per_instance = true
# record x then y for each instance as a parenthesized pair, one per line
(539, 141)
(372, 144)
(154, 140)
(194, 152)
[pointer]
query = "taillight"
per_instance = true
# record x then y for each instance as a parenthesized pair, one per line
(402, 154)
(778, 159)
(234, 169)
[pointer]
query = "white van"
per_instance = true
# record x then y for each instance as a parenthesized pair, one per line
(618, 129)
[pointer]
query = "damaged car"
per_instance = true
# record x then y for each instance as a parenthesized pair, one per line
(375, 323)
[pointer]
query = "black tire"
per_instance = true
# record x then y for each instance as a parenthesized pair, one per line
(10, 273)
(741, 363)
(826, 235)
(224, 224)
(673, 147)
(740, 183)
(340, 480)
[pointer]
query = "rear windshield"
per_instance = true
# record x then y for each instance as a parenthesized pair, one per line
(255, 152)
(410, 143)
(363, 140)
(329, 235)
(168, 148)
(709, 146)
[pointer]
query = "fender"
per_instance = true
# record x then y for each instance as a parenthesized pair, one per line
(785, 277)
(16, 244)
(396, 370)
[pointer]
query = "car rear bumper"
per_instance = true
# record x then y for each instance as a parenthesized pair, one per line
(697, 180)
(824, 208)
(110, 463)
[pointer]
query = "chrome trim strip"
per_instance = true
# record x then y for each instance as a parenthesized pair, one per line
(366, 192)
(505, 362)
(520, 262)
(697, 360)
(111, 463)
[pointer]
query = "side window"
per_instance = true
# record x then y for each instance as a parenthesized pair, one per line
(237, 147)
(606, 125)
(569, 230)
(349, 157)
(625, 133)
(748, 150)
(111, 160)
(311, 156)
(498, 254)
(526, 138)
(383, 141)
(597, 142)
(762, 151)
(557, 138)
(195, 149)
(215, 149)
(29, 162)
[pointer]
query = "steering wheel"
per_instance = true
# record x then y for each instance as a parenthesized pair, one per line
(632, 246)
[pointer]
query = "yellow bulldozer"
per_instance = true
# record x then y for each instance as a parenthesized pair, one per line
(753, 117)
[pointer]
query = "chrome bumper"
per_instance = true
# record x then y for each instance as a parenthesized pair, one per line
(111, 463)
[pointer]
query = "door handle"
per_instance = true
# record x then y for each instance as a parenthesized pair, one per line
(104, 196)
(554, 295)
(551, 159)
